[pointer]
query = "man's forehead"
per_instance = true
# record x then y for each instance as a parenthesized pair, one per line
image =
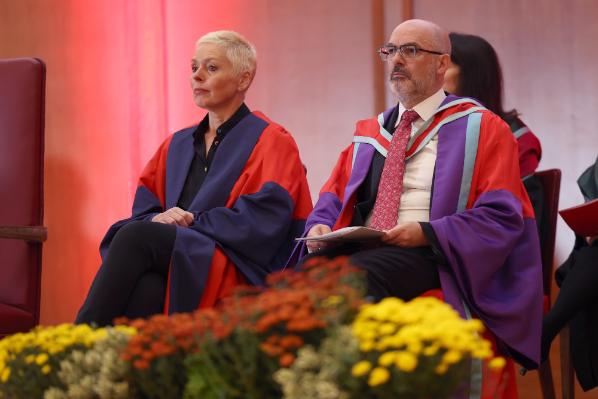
(411, 35)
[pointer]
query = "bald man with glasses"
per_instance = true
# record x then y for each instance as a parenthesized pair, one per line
(439, 176)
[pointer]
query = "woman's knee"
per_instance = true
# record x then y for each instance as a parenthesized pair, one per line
(143, 232)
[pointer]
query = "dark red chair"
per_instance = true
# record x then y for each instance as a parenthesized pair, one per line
(22, 98)
(551, 185)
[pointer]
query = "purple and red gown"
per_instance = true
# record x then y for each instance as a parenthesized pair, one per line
(252, 204)
(528, 145)
(480, 214)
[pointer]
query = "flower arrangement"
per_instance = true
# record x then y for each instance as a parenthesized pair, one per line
(157, 352)
(307, 334)
(318, 372)
(96, 373)
(233, 349)
(29, 362)
(416, 349)
(394, 349)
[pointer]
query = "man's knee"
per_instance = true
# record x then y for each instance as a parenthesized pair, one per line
(393, 271)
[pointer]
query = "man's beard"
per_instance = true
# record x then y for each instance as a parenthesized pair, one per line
(409, 93)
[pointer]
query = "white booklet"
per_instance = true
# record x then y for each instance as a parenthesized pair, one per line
(347, 234)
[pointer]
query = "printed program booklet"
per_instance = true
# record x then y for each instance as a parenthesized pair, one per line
(347, 234)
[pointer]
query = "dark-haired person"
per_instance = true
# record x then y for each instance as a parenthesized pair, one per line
(474, 71)
(219, 203)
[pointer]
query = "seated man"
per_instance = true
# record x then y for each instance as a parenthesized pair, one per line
(445, 189)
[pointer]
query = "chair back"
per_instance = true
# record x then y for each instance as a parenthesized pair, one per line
(551, 184)
(22, 99)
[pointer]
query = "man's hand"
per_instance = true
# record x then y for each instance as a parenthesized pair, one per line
(317, 230)
(406, 235)
(176, 216)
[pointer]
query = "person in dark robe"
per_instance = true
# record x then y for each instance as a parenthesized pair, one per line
(577, 301)
(219, 204)
(460, 221)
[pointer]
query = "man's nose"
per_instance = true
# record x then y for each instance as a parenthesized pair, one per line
(396, 58)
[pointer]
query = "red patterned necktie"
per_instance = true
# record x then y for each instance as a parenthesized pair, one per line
(386, 208)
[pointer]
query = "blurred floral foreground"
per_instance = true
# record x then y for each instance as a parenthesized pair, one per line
(309, 334)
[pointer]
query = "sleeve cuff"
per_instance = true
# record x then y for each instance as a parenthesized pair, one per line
(433, 242)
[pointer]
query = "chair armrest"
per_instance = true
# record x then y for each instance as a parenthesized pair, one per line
(27, 233)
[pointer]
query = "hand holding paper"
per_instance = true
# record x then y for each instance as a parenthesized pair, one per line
(317, 231)
(347, 234)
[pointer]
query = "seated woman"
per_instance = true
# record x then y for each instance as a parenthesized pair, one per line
(475, 72)
(218, 205)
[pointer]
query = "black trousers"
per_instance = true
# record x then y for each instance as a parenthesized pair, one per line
(132, 279)
(579, 289)
(391, 270)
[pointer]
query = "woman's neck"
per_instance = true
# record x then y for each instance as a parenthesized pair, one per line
(219, 116)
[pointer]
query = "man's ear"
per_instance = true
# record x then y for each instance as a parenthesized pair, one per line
(245, 79)
(444, 61)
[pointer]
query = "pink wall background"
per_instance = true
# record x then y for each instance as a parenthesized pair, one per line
(117, 85)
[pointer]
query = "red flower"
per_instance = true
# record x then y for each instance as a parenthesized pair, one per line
(286, 360)
(141, 364)
(291, 341)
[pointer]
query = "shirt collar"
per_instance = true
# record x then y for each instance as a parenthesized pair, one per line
(227, 126)
(426, 108)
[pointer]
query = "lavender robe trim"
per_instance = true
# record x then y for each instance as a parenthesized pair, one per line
(472, 138)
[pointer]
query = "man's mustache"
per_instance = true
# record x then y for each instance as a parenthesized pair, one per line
(399, 70)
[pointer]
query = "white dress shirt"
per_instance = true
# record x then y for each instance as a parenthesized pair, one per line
(419, 169)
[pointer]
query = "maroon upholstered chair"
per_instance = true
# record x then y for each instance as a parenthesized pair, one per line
(22, 97)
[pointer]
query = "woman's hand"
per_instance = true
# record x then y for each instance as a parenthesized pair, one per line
(406, 235)
(176, 216)
(315, 231)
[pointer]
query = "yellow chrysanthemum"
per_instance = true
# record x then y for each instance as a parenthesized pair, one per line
(387, 328)
(378, 376)
(361, 368)
(46, 369)
(406, 361)
(430, 350)
(332, 301)
(441, 368)
(415, 347)
(366, 346)
(41, 358)
(497, 363)
(451, 357)
(482, 353)
(387, 359)
(5, 375)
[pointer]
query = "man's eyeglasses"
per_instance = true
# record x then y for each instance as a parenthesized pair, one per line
(406, 50)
